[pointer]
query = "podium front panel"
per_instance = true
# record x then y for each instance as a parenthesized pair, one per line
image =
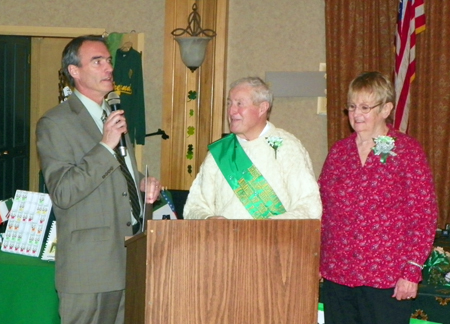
(231, 271)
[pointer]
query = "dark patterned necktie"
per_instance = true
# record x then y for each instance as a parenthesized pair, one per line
(132, 192)
(104, 116)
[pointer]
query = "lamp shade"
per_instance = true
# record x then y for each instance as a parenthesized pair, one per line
(192, 50)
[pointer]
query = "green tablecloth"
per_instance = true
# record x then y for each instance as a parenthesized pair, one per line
(433, 304)
(27, 290)
(433, 301)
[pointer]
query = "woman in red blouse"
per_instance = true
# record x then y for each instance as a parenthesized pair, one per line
(379, 213)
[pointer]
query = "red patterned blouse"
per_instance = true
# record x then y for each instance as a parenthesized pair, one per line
(376, 217)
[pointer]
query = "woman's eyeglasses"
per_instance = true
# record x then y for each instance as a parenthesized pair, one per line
(364, 108)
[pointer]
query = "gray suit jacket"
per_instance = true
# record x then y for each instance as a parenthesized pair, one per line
(90, 202)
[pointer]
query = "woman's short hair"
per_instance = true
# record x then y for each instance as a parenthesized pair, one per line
(374, 83)
(70, 54)
(261, 91)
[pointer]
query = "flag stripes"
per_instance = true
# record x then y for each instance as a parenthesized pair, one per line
(411, 21)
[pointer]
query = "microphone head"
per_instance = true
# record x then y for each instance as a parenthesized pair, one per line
(113, 98)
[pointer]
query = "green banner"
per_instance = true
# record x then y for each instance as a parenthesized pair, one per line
(247, 182)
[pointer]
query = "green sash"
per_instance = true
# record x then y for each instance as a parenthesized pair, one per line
(244, 178)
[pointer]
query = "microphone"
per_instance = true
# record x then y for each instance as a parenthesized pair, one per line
(113, 101)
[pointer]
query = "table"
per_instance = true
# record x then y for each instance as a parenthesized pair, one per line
(433, 302)
(27, 290)
(442, 241)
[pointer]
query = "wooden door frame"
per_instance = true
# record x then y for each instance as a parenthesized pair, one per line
(36, 112)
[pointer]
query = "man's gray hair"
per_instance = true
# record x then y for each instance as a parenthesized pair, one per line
(261, 91)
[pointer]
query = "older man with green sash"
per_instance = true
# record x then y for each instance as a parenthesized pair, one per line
(257, 172)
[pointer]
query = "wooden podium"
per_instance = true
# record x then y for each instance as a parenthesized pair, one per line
(223, 272)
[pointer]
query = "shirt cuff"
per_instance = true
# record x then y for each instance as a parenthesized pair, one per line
(108, 148)
(412, 273)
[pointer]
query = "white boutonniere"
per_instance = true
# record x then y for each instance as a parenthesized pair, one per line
(275, 142)
(383, 147)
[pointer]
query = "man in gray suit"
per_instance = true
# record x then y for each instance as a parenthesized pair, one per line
(89, 192)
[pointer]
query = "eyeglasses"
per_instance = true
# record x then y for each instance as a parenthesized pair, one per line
(364, 108)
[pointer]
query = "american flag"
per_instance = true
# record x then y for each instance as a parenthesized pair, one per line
(411, 21)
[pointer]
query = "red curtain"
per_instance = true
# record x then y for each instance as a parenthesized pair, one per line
(360, 37)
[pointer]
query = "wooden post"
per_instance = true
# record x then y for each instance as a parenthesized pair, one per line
(205, 113)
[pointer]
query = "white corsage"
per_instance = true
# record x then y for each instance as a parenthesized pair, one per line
(383, 147)
(275, 142)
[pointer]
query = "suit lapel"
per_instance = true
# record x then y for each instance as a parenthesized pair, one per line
(88, 124)
(85, 118)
